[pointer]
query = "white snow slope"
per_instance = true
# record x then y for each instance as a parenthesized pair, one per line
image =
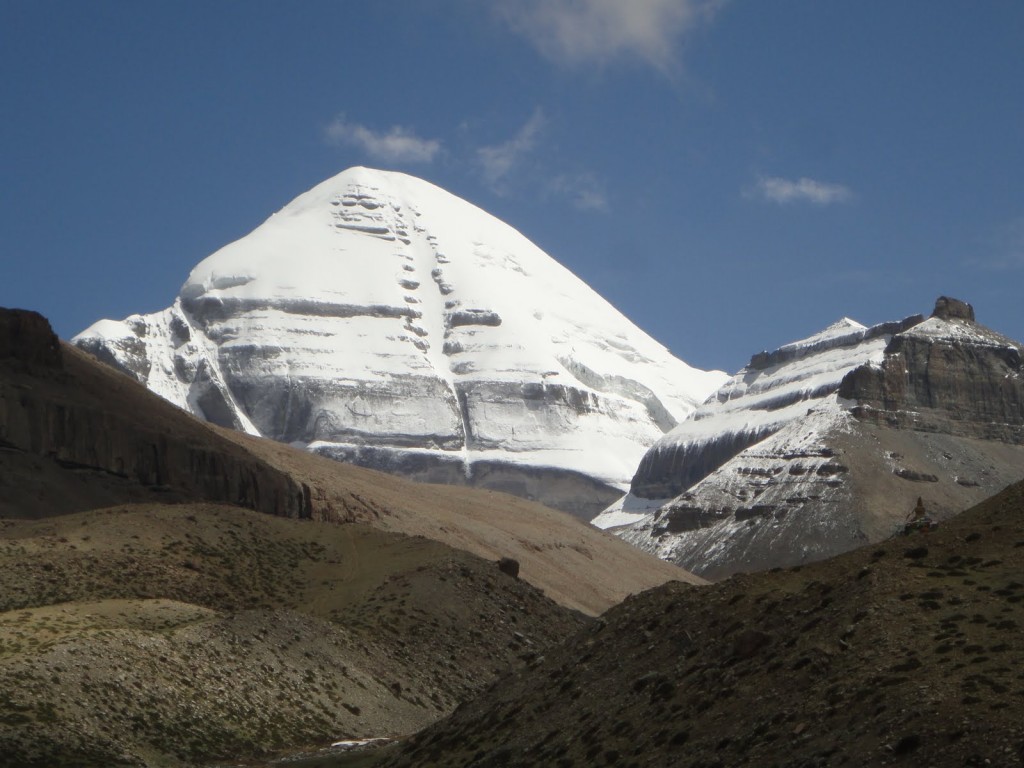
(379, 319)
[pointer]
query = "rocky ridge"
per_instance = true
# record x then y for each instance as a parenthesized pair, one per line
(60, 413)
(827, 444)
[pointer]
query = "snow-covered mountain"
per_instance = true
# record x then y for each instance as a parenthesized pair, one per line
(826, 443)
(380, 320)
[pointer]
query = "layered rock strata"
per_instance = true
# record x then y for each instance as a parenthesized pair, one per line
(378, 319)
(60, 412)
(826, 444)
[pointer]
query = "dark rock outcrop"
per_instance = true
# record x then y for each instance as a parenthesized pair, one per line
(509, 566)
(948, 375)
(948, 308)
(100, 438)
(27, 338)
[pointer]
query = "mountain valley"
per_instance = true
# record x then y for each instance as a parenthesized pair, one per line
(143, 621)
(218, 546)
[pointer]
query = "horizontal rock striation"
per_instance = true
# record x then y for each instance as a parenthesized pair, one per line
(58, 410)
(378, 311)
(774, 389)
(947, 375)
(827, 444)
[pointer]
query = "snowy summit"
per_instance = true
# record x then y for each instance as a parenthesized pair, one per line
(381, 320)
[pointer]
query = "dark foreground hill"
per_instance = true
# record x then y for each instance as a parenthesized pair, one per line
(909, 652)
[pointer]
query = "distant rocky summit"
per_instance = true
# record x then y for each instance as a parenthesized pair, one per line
(380, 320)
(826, 443)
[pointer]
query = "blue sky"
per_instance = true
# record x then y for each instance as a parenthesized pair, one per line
(731, 175)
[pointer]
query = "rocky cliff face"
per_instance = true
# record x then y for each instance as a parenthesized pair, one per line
(774, 389)
(947, 375)
(836, 437)
(75, 436)
(380, 320)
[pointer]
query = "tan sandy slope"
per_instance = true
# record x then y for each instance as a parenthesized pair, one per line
(77, 435)
(573, 563)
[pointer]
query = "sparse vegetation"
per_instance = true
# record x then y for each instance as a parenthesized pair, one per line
(224, 633)
(872, 658)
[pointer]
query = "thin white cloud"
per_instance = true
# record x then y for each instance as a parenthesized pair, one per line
(583, 190)
(496, 162)
(396, 145)
(582, 32)
(803, 190)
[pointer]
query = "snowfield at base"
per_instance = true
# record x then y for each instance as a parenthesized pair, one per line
(627, 510)
(350, 744)
(379, 310)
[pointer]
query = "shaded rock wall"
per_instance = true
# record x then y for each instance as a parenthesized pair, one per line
(60, 406)
(668, 470)
(962, 379)
(26, 338)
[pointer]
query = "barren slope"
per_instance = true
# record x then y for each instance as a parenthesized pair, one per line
(907, 652)
(75, 435)
(576, 565)
(170, 634)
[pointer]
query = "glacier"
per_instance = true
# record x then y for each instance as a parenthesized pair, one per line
(381, 320)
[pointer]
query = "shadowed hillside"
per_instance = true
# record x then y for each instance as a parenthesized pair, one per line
(909, 652)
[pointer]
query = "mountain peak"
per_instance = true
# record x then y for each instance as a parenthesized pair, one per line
(828, 444)
(947, 308)
(382, 320)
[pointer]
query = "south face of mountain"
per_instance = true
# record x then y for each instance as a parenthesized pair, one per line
(380, 320)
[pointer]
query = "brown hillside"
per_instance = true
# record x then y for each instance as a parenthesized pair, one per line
(165, 635)
(77, 435)
(909, 652)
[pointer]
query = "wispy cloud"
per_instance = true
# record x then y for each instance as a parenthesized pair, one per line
(802, 190)
(497, 161)
(583, 190)
(584, 32)
(395, 145)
